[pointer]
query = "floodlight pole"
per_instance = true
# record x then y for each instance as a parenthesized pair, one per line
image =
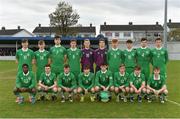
(165, 24)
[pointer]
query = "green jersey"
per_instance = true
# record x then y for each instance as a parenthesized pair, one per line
(48, 79)
(156, 83)
(130, 58)
(41, 60)
(67, 80)
(86, 81)
(160, 59)
(137, 80)
(57, 54)
(121, 79)
(144, 60)
(25, 80)
(24, 57)
(104, 78)
(74, 57)
(114, 59)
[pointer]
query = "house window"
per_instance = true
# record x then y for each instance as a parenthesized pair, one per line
(116, 34)
(156, 34)
(86, 35)
(127, 34)
(108, 34)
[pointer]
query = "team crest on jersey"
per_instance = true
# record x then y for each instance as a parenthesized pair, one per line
(87, 55)
(147, 52)
(86, 81)
(129, 56)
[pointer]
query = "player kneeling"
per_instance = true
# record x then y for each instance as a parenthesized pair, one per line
(25, 82)
(66, 84)
(47, 84)
(86, 83)
(156, 85)
(137, 84)
(104, 80)
(121, 83)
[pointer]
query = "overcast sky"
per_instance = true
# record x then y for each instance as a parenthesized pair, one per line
(29, 13)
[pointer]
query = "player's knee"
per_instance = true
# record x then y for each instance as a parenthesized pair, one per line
(79, 90)
(96, 88)
(112, 88)
(131, 90)
(148, 91)
(166, 91)
(92, 90)
(39, 88)
(59, 89)
(74, 91)
(116, 89)
(123, 90)
(144, 90)
(127, 89)
(55, 89)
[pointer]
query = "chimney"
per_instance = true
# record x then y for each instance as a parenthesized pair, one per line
(157, 23)
(39, 25)
(130, 23)
(3, 28)
(90, 24)
(169, 20)
(19, 27)
(104, 23)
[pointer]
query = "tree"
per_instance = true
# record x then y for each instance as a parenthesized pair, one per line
(63, 18)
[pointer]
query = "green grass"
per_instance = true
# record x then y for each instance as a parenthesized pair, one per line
(8, 108)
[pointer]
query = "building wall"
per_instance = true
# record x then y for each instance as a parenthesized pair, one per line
(23, 33)
(53, 34)
(133, 35)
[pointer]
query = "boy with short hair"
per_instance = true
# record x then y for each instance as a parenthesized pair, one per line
(137, 84)
(104, 79)
(25, 82)
(114, 56)
(57, 56)
(129, 57)
(66, 83)
(47, 84)
(24, 56)
(87, 56)
(156, 85)
(100, 54)
(121, 83)
(41, 59)
(74, 58)
(159, 57)
(86, 84)
(144, 58)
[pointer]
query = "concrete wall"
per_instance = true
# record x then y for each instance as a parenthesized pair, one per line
(7, 58)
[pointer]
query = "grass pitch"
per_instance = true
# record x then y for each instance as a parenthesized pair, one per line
(8, 107)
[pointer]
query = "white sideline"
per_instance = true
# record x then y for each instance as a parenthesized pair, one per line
(178, 104)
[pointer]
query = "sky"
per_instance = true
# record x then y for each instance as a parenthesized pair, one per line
(29, 13)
